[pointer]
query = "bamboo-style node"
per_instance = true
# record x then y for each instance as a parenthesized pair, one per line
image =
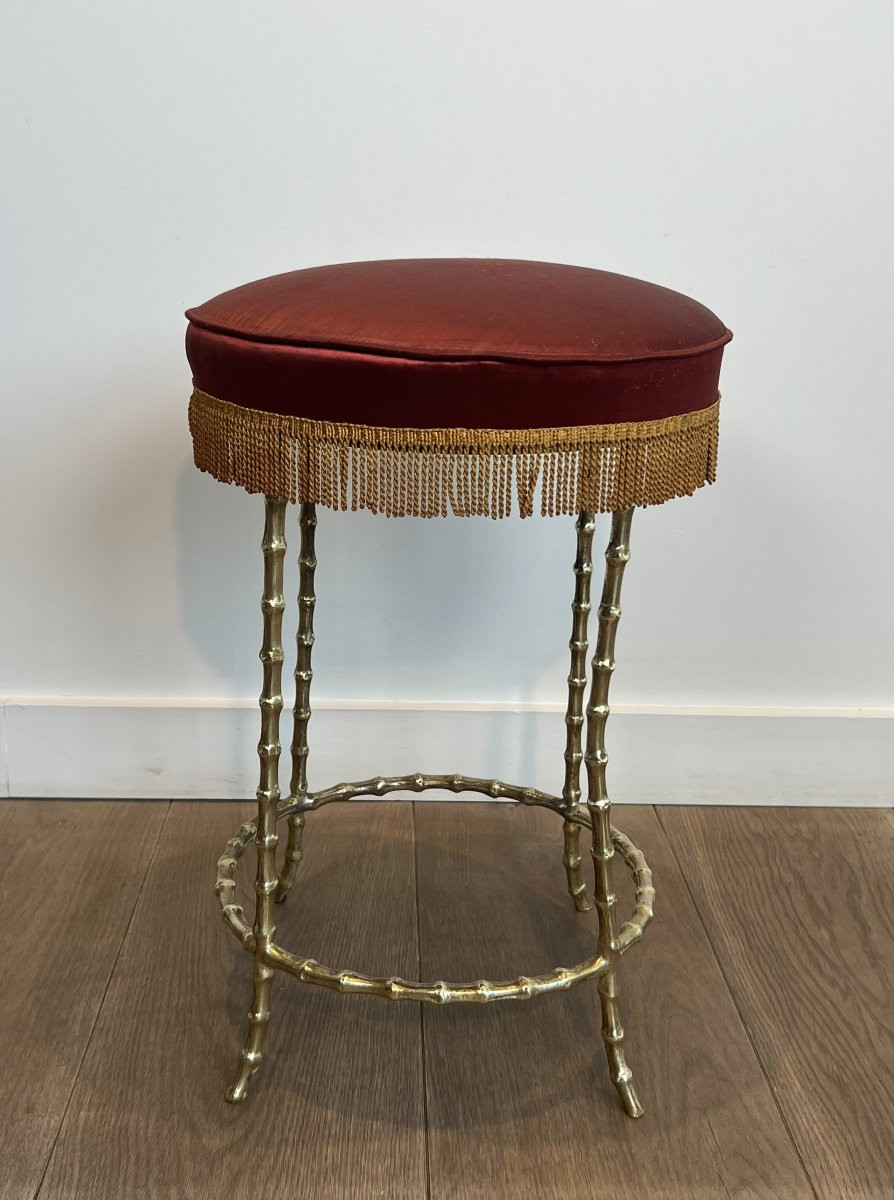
(574, 715)
(301, 714)
(481, 991)
(264, 928)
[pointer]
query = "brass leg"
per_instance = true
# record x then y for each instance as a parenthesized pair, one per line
(616, 556)
(574, 715)
(272, 605)
(307, 563)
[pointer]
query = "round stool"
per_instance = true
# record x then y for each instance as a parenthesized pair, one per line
(422, 387)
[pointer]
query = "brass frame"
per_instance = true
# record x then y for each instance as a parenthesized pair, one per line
(258, 938)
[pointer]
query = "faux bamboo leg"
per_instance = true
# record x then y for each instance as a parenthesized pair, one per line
(574, 715)
(307, 563)
(598, 802)
(272, 605)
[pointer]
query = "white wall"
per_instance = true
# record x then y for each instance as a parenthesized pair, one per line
(157, 154)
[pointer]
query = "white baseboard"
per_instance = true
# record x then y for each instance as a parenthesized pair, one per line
(169, 749)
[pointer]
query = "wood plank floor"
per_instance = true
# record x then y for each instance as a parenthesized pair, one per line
(530, 1099)
(758, 1010)
(69, 881)
(810, 963)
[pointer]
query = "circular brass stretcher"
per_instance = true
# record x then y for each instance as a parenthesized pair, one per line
(481, 991)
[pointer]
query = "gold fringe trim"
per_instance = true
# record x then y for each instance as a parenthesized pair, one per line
(470, 472)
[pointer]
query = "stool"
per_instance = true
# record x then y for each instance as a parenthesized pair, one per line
(421, 387)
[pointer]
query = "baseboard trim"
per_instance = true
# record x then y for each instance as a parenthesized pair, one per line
(170, 748)
(515, 706)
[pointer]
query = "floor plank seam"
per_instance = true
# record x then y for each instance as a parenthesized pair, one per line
(426, 1148)
(718, 1155)
(101, 1005)
(785, 1124)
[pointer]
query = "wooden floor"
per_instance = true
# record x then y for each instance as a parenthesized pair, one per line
(758, 1008)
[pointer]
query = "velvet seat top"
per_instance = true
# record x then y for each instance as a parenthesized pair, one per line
(472, 343)
(424, 386)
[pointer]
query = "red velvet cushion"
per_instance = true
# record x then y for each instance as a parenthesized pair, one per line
(468, 343)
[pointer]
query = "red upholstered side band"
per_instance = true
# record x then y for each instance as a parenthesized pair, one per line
(380, 389)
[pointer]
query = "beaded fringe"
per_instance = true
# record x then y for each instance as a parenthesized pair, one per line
(470, 472)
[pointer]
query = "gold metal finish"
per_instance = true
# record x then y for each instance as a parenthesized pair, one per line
(307, 563)
(272, 606)
(392, 988)
(612, 943)
(595, 757)
(483, 991)
(574, 716)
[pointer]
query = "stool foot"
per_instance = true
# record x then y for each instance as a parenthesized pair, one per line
(238, 1091)
(613, 1039)
(630, 1100)
(258, 1020)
